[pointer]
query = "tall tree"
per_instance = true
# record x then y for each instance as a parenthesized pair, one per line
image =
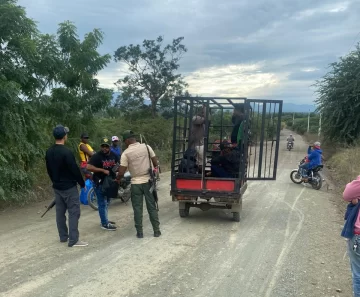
(339, 99)
(75, 91)
(153, 71)
(20, 141)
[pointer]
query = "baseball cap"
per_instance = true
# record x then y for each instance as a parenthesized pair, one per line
(105, 141)
(84, 135)
(60, 131)
(114, 138)
(128, 134)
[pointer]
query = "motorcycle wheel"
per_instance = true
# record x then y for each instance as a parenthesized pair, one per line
(316, 183)
(295, 177)
(92, 200)
(124, 195)
(125, 198)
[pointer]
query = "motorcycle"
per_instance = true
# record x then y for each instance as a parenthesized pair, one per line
(314, 177)
(289, 145)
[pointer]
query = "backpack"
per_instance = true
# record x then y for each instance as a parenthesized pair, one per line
(188, 162)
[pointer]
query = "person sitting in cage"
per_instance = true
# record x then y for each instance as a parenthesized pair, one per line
(226, 165)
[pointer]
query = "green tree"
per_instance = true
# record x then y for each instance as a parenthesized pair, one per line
(75, 63)
(153, 71)
(339, 99)
(20, 140)
(44, 79)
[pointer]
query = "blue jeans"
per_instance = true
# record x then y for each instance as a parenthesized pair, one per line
(355, 263)
(304, 169)
(102, 205)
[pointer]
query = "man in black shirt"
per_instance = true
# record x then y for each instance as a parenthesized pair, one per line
(65, 175)
(102, 164)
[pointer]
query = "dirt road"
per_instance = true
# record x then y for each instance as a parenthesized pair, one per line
(287, 244)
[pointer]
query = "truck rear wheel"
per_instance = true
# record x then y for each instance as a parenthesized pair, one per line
(184, 212)
(236, 216)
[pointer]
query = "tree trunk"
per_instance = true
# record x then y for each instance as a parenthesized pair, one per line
(153, 106)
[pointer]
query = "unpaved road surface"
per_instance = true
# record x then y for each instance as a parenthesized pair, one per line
(287, 244)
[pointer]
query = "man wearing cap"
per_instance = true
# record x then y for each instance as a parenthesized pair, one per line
(65, 175)
(137, 160)
(115, 148)
(102, 163)
(85, 153)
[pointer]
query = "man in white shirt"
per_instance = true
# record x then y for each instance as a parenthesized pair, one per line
(136, 158)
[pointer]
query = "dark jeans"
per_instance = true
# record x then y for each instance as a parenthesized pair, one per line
(103, 203)
(137, 197)
(218, 171)
(68, 200)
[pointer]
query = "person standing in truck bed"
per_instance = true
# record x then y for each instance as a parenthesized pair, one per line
(196, 139)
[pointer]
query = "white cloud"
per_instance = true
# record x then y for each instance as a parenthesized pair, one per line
(110, 75)
(311, 69)
(340, 7)
(329, 8)
(232, 80)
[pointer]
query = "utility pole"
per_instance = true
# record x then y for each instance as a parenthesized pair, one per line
(308, 128)
(293, 119)
(319, 133)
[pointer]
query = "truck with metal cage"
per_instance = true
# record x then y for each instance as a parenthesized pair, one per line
(256, 150)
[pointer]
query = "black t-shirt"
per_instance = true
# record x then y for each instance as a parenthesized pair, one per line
(62, 168)
(100, 160)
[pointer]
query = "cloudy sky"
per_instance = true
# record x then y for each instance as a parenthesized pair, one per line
(272, 49)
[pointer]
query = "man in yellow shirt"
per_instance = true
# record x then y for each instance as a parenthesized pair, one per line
(85, 153)
(136, 159)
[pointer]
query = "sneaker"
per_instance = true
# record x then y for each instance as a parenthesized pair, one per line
(108, 227)
(140, 235)
(110, 222)
(157, 234)
(81, 243)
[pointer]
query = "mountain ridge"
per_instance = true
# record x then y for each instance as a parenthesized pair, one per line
(287, 107)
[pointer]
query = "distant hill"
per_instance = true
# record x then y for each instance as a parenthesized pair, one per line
(287, 107)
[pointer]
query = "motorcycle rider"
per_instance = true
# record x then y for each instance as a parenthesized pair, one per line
(102, 163)
(314, 158)
(85, 153)
(291, 139)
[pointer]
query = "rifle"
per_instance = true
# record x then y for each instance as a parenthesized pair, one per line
(152, 179)
(51, 205)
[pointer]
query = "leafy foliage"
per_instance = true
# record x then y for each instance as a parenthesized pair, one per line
(338, 99)
(44, 79)
(152, 68)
